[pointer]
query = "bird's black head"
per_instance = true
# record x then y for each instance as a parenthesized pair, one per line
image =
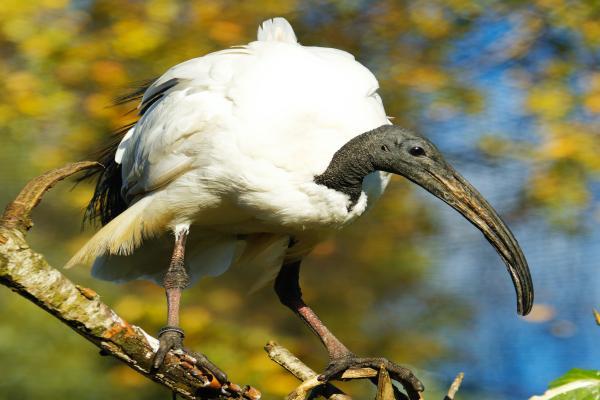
(392, 149)
(399, 151)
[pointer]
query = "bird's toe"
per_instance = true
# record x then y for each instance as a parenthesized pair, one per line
(203, 362)
(337, 366)
(401, 374)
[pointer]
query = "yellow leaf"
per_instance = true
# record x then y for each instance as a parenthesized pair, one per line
(17, 29)
(424, 78)
(226, 32)
(131, 307)
(98, 105)
(592, 102)
(429, 20)
(550, 102)
(162, 10)
(108, 73)
(195, 318)
(591, 31)
(134, 38)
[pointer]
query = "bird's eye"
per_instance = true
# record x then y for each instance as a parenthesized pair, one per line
(385, 148)
(417, 151)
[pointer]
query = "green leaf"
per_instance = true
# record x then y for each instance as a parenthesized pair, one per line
(577, 384)
(585, 393)
(575, 374)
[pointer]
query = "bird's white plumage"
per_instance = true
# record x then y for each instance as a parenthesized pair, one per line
(276, 30)
(122, 146)
(232, 149)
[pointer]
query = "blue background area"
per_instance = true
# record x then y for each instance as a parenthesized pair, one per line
(501, 353)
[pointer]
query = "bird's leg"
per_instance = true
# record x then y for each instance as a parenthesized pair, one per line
(171, 336)
(287, 287)
(175, 280)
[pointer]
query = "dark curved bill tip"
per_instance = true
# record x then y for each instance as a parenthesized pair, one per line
(457, 192)
(473, 206)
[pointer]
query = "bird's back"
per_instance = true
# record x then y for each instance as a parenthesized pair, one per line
(289, 105)
(255, 120)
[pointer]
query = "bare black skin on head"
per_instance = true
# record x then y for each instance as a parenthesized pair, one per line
(398, 151)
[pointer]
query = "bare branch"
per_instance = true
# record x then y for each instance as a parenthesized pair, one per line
(27, 273)
(16, 214)
(385, 389)
(454, 386)
(290, 362)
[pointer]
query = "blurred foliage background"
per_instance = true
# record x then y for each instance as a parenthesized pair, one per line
(510, 90)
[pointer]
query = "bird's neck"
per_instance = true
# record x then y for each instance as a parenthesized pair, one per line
(348, 167)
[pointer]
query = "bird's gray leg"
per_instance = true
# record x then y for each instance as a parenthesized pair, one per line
(171, 336)
(287, 287)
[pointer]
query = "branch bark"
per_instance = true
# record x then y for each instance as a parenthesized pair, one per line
(28, 274)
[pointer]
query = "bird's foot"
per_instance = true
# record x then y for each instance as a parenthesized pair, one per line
(171, 338)
(404, 376)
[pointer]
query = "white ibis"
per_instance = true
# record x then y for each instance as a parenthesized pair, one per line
(252, 155)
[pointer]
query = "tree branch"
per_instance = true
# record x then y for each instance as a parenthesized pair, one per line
(27, 273)
(311, 387)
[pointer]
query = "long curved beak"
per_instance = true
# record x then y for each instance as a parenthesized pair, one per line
(448, 185)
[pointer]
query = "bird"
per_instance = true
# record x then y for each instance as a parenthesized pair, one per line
(253, 155)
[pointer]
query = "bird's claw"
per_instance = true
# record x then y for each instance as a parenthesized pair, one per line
(203, 362)
(170, 338)
(403, 375)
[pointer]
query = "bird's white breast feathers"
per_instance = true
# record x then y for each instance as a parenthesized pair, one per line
(235, 141)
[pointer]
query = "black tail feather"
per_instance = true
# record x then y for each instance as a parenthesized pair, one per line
(107, 202)
(139, 88)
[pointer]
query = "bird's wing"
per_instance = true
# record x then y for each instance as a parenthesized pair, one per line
(263, 253)
(189, 99)
(205, 256)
